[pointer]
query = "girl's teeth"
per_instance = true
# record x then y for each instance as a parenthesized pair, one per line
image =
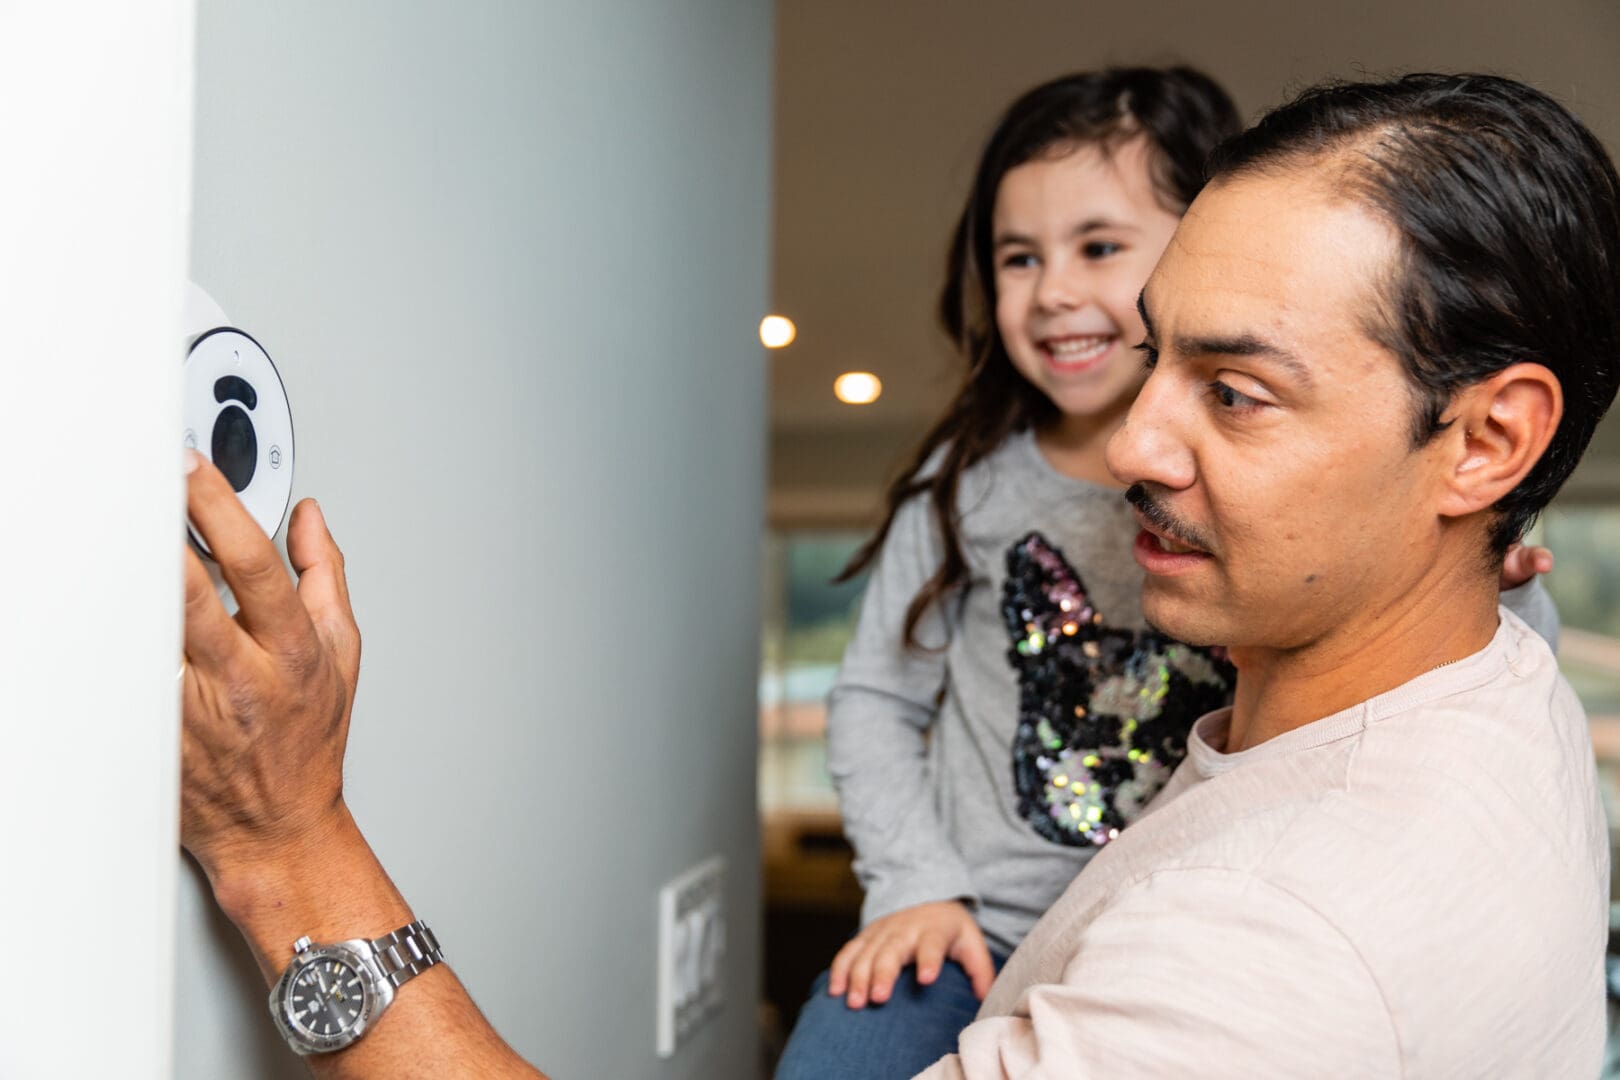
(1079, 348)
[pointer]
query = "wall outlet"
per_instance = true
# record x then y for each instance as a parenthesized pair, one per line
(691, 951)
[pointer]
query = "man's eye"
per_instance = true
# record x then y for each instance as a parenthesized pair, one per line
(1232, 399)
(1150, 355)
(1100, 249)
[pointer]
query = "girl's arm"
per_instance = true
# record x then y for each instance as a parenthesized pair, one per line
(879, 715)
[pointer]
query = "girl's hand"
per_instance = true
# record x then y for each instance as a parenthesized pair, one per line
(928, 934)
(1523, 563)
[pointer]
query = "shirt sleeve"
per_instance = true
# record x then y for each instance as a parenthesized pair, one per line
(1534, 604)
(1209, 973)
(881, 708)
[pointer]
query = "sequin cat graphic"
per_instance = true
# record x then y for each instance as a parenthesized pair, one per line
(1103, 713)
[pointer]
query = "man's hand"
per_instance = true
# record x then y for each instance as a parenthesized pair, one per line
(928, 934)
(266, 718)
(1523, 563)
(267, 694)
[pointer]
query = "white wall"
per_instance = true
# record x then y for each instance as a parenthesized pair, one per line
(95, 105)
(510, 258)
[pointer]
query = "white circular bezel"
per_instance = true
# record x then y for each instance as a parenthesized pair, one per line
(226, 350)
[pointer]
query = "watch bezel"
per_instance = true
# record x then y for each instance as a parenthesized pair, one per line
(376, 994)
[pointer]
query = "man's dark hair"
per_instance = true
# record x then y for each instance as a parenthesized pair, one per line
(1508, 211)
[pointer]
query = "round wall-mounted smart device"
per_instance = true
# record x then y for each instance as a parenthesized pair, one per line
(237, 416)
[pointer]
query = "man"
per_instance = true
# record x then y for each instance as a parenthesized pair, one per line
(1382, 337)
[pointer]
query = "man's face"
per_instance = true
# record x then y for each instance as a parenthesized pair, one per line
(1274, 434)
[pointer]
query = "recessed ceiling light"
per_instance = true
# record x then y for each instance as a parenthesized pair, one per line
(857, 387)
(777, 331)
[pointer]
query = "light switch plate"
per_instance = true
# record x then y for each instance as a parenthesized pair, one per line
(691, 951)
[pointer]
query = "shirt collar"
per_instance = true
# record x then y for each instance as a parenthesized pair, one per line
(1502, 653)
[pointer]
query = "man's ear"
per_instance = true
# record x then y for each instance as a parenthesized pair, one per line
(1499, 429)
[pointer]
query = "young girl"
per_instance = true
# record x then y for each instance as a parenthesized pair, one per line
(1003, 709)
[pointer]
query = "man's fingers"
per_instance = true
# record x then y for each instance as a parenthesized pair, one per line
(212, 637)
(246, 557)
(323, 585)
(314, 554)
(930, 957)
(974, 955)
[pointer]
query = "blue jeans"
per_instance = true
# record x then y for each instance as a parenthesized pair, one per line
(916, 1027)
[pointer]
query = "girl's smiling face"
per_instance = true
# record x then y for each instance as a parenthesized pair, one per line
(1075, 237)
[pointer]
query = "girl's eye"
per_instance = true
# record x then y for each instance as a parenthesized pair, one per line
(1232, 399)
(1018, 260)
(1100, 249)
(1150, 355)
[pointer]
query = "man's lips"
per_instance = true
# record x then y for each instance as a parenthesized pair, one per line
(1157, 552)
(1165, 540)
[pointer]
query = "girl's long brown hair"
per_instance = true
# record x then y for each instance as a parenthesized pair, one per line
(1183, 114)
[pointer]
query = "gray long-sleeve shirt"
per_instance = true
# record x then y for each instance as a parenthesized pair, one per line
(942, 796)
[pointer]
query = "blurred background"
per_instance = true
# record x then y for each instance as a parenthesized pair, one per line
(881, 110)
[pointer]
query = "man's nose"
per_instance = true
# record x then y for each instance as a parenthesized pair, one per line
(1151, 446)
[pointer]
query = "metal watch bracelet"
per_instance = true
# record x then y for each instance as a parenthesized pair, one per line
(407, 952)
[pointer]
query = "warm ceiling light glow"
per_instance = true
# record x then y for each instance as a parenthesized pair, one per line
(857, 387)
(777, 331)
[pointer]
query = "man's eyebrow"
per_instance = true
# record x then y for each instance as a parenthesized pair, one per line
(1245, 345)
(1240, 345)
(1090, 225)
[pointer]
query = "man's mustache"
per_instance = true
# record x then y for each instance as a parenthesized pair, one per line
(1163, 520)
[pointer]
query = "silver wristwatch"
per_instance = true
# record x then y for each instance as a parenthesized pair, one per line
(330, 995)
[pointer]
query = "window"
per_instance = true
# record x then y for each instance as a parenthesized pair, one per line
(808, 621)
(1585, 583)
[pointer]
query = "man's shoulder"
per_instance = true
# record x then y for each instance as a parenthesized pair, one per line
(1485, 782)
(1462, 851)
(1510, 753)
(1475, 904)
(1490, 790)
(1478, 787)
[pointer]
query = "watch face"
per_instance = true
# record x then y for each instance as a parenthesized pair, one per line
(328, 998)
